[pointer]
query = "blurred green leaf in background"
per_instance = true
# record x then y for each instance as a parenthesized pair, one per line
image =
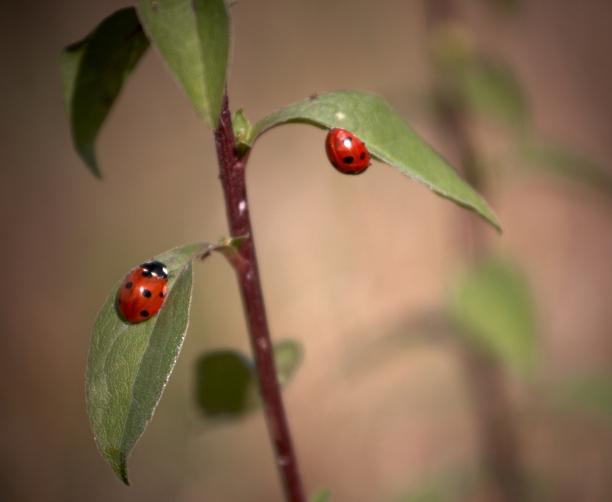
(321, 496)
(560, 160)
(474, 82)
(446, 486)
(489, 87)
(492, 306)
(587, 393)
(226, 384)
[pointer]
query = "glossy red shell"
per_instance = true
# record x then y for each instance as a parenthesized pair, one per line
(141, 294)
(347, 153)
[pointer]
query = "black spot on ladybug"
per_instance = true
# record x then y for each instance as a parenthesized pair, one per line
(161, 294)
(146, 293)
(348, 160)
(128, 285)
(362, 156)
(144, 313)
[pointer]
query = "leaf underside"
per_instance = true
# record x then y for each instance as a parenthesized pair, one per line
(93, 73)
(387, 137)
(193, 38)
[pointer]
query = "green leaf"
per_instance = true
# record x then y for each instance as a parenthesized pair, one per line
(193, 38)
(560, 160)
(287, 357)
(226, 382)
(225, 385)
(321, 496)
(589, 393)
(130, 364)
(242, 130)
(492, 306)
(468, 79)
(490, 88)
(387, 137)
(93, 73)
(445, 486)
(451, 48)
(70, 62)
(242, 126)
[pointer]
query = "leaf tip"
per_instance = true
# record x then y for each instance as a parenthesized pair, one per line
(88, 156)
(482, 209)
(118, 462)
(95, 170)
(494, 222)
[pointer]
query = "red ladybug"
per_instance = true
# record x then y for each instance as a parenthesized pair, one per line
(142, 292)
(347, 153)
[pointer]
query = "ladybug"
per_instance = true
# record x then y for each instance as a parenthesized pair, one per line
(347, 153)
(143, 292)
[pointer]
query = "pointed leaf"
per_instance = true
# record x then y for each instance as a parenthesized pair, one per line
(492, 306)
(130, 364)
(93, 73)
(193, 38)
(387, 137)
(562, 161)
(226, 382)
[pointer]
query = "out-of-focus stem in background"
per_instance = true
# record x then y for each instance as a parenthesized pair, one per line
(498, 431)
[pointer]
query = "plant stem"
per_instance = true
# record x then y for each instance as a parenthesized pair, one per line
(232, 170)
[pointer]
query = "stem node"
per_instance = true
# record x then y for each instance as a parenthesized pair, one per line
(232, 168)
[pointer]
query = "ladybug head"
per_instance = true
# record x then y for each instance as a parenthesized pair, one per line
(155, 268)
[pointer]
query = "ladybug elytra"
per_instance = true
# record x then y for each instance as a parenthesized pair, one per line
(347, 153)
(143, 292)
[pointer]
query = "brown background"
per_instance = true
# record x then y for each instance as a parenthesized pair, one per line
(343, 260)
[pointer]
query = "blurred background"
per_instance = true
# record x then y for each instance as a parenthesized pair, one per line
(395, 399)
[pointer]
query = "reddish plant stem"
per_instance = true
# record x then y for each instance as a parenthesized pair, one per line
(232, 170)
